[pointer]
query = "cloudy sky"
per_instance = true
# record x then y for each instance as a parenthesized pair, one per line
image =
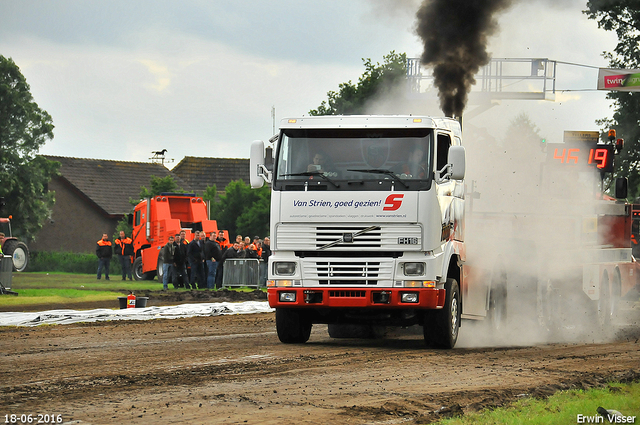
(124, 78)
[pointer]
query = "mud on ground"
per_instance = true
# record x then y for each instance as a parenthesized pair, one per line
(233, 369)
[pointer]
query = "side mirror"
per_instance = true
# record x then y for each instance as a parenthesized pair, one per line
(258, 172)
(621, 188)
(268, 158)
(457, 160)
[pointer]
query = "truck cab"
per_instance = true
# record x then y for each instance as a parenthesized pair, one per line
(367, 224)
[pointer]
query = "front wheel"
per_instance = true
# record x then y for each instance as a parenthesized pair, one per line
(138, 274)
(441, 326)
(292, 326)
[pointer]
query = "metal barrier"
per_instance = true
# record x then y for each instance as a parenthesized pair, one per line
(6, 270)
(240, 272)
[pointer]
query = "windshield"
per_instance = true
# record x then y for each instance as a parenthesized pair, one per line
(354, 159)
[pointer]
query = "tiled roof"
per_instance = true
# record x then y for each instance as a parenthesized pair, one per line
(199, 173)
(110, 184)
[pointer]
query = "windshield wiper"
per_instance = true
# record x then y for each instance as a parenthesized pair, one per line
(389, 173)
(312, 173)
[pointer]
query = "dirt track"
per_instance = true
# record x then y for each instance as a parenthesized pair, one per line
(232, 369)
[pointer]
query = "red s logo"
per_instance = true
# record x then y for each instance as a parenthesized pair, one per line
(393, 202)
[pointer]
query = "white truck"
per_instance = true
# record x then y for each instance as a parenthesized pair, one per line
(367, 226)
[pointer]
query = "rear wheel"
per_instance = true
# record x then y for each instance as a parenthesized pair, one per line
(441, 326)
(19, 252)
(292, 326)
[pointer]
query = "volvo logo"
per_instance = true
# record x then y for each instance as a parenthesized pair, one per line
(347, 237)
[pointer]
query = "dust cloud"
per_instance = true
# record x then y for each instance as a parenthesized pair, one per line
(528, 220)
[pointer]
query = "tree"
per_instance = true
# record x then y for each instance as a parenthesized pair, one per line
(376, 82)
(242, 210)
(623, 17)
(24, 129)
(159, 185)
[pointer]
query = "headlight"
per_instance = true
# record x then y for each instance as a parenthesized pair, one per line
(413, 269)
(419, 283)
(283, 268)
(409, 297)
(287, 297)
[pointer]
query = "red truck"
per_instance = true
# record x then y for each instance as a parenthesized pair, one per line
(157, 218)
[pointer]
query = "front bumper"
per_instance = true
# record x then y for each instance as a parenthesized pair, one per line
(427, 298)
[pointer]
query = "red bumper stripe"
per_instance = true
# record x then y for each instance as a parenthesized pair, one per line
(428, 298)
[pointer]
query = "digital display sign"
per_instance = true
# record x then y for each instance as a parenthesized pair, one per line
(582, 155)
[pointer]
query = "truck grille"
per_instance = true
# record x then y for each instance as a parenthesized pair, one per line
(299, 237)
(356, 272)
(325, 235)
(338, 271)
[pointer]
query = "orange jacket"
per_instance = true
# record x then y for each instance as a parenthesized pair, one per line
(124, 246)
(103, 249)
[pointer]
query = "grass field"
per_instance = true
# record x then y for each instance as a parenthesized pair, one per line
(561, 408)
(58, 288)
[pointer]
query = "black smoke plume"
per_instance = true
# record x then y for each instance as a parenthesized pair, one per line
(455, 35)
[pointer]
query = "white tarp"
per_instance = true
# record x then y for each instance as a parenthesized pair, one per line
(103, 314)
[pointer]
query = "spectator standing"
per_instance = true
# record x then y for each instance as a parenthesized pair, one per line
(241, 250)
(177, 282)
(253, 268)
(212, 254)
(180, 258)
(222, 241)
(251, 252)
(258, 244)
(264, 264)
(231, 252)
(104, 253)
(195, 255)
(167, 262)
(124, 251)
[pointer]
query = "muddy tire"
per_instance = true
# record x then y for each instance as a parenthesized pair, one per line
(292, 326)
(19, 252)
(441, 327)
